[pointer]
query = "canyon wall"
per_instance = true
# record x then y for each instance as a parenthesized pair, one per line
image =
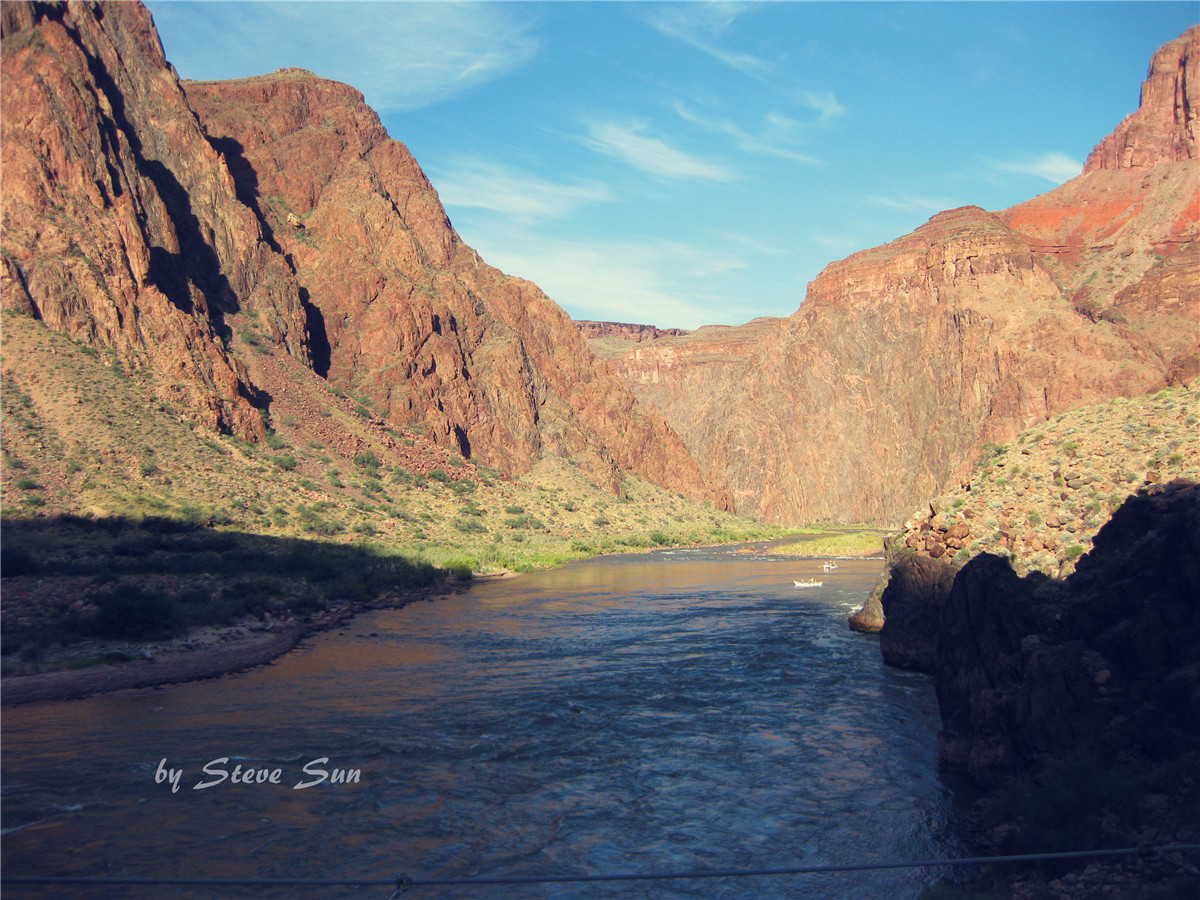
(904, 359)
(121, 225)
(624, 330)
(403, 312)
(185, 227)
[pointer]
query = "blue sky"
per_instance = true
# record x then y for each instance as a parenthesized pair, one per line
(682, 164)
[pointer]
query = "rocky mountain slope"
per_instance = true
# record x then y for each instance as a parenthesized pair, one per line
(905, 359)
(85, 435)
(121, 225)
(1038, 501)
(1075, 705)
(624, 331)
(193, 232)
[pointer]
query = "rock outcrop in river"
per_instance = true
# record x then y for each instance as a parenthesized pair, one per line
(1075, 705)
(1039, 501)
(1106, 662)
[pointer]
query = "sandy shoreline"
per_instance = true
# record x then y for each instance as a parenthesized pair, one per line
(206, 653)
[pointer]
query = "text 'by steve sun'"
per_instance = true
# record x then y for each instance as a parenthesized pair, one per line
(218, 771)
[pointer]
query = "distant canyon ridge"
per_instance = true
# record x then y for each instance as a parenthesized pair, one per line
(188, 226)
(905, 359)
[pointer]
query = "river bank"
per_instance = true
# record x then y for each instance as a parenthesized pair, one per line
(100, 666)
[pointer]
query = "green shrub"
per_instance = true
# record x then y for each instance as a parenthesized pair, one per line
(368, 460)
(459, 568)
(440, 475)
(133, 613)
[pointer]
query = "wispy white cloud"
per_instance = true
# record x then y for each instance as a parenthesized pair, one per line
(773, 137)
(1054, 167)
(618, 280)
(824, 102)
(522, 197)
(402, 56)
(911, 203)
(628, 142)
(701, 25)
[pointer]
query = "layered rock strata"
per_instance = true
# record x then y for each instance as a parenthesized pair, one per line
(121, 225)
(905, 359)
(625, 331)
(404, 313)
(1171, 98)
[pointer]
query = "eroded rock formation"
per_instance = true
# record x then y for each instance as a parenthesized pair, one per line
(905, 359)
(274, 214)
(121, 225)
(410, 316)
(1105, 663)
(1163, 129)
(624, 330)
(1039, 501)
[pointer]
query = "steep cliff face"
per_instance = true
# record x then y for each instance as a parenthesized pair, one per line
(121, 225)
(282, 219)
(905, 358)
(405, 314)
(624, 331)
(1164, 127)
(1031, 670)
(673, 374)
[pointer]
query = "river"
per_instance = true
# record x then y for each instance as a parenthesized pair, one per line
(676, 711)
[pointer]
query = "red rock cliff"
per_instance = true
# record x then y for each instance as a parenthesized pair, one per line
(405, 313)
(625, 331)
(1164, 127)
(121, 226)
(283, 217)
(903, 359)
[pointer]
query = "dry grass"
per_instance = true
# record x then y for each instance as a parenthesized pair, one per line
(1041, 498)
(855, 544)
(83, 437)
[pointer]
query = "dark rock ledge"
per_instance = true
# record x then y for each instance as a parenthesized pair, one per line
(1071, 706)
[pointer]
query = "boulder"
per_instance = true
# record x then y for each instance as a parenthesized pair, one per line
(915, 591)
